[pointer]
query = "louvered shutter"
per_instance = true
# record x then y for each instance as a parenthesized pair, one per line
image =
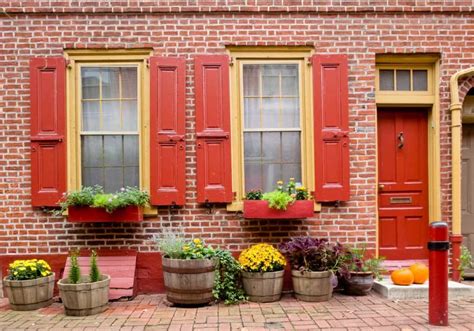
(213, 128)
(331, 127)
(167, 130)
(48, 130)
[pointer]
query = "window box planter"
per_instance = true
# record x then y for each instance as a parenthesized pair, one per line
(258, 209)
(89, 214)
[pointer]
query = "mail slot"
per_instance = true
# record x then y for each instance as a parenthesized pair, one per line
(400, 200)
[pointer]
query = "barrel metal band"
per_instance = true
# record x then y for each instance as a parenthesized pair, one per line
(188, 271)
(189, 291)
(438, 245)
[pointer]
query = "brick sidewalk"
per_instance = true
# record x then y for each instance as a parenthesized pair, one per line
(150, 312)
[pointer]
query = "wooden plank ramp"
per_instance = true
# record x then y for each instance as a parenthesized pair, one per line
(121, 270)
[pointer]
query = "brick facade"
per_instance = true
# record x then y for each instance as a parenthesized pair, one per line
(188, 28)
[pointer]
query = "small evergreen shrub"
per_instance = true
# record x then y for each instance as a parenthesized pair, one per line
(74, 276)
(94, 273)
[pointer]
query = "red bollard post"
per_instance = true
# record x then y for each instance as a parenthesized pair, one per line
(438, 271)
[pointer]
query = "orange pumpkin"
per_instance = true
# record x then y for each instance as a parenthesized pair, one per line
(420, 273)
(402, 276)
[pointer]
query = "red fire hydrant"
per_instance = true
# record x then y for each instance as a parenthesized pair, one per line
(438, 271)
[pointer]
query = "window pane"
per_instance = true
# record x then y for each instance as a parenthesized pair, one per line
(270, 113)
(271, 146)
(251, 113)
(292, 170)
(386, 80)
(271, 174)
(90, 83)
(251, 80)
(110, 161)
(420, 80)
(111, 119)
(129, 115)
(252, 143)
(291, 151)
(90, 115)
(253, 177)
(290, 113)
(110, 83)
(270, 86)
(129, 83)
(403, 80)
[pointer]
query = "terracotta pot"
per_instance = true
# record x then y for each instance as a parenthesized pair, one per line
(85, 298)
(29, 294)
(359, 283)
(263, 286)
(189, 282)
(312, 286)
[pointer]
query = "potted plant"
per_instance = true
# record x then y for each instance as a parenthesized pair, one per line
(84, 295)
(195, 273)
(29, 284)
(91, 204)
(314, 263)
(359, 272)
(262, 272)
(285, 202)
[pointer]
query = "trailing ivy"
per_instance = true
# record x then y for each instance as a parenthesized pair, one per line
(228, 284)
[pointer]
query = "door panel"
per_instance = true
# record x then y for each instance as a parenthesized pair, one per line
(467, 187)
(403, 183)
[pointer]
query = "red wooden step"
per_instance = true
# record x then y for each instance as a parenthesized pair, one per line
(121, 270)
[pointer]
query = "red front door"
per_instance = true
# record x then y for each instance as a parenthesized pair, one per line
(403, 183)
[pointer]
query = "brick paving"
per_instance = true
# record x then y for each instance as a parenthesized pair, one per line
(151, 312)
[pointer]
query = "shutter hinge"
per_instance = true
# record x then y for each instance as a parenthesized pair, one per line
(147, 62)
(231, 62)
(68, 64)
(309, 61)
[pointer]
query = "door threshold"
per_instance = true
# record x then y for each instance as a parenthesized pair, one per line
(391, 265)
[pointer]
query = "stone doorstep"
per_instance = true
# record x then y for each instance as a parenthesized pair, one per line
(469, 273)
(390, 291)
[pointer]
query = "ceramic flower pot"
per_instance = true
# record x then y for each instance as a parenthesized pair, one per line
(359, 283)
(263, 286)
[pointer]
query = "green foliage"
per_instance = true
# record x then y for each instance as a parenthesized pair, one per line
(170, 242)
(277, 199)
(254, 195)
(95, 197)
(94, 273)
(465, 260)
(74, 276)
(356, 261)
(28, 269)
(228, 282)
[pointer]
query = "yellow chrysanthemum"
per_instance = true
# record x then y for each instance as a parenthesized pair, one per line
(262, 258)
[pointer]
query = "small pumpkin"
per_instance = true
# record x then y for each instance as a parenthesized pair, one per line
(420, 273)
(402, 276)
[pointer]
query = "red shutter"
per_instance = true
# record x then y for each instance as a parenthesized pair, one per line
(48, 130)
(167, 130)
(213, 128)
(331, 127)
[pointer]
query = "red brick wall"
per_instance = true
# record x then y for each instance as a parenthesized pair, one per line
(360, 31)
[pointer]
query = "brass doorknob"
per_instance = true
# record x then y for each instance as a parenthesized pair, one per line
(381, 186)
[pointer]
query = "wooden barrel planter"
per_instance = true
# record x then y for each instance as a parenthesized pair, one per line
(263, 286)
(85, 298)
(189, 282)
(359, 283)
(29, 294)
(314, 286)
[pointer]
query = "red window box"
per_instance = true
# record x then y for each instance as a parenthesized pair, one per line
(258, 209)
(89, 214)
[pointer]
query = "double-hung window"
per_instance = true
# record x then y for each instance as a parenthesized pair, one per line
(272, 121)
(107, 120)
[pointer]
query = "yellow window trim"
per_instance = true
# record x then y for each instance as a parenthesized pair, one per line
(241, 55)
(430, 62)
(79, 58)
